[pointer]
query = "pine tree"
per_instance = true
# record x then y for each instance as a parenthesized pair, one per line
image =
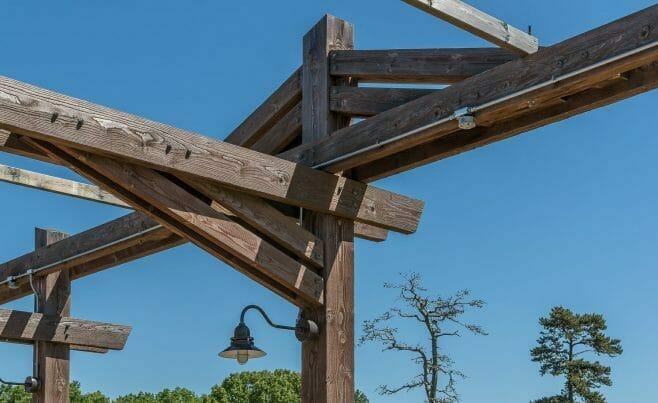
(565, 339)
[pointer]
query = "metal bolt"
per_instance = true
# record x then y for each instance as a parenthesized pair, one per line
(167, 149)
(78, 126)
(467, 122)
(54, 117)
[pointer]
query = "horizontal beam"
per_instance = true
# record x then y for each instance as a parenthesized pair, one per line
(428, 66)
(572, 66)
(14, 145)
(479, 23)
(69, 122)
(629, 84)
(30, 327)
(369, 101)
(57, 185)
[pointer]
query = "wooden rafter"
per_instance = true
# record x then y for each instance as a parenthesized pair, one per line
(12, 144)
(479, 23)
(584, 61)
(625, 86)
(69, 122)
(20, 326)
(54, 184)
(267, 114)
(193, 219)
(368, 101)
(110, 244)
(428, 66)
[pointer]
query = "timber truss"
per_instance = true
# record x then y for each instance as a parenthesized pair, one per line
(281, 198)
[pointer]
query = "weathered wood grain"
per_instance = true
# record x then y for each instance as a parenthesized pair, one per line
(267, 114)
(86, 246)
(267, 220)
(53, 184)
(30, 327)
(56, 118)
(428, 66)
(191, 218)
(328, 360)
(369, 101)
(53, 298)
(282, 133)
(479, 23)
(616, 40)
(632, 83)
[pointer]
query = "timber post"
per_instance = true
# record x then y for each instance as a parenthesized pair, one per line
(51, 360)
(328, 361)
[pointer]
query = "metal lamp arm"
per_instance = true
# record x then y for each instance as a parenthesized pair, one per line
(267, 318)
(12, 383)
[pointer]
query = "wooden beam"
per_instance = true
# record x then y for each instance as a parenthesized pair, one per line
(65, 331)
(328, 361)
(271, 111)
(268, 221)
(53, 184)
(53, 298)
(583, 62)
(190, 217)
(284, 132)
(369, 101)
(134, 247)
(69, 122)
(632, 83)
(17, 146)
(428, 66)
(479, 23)
(12, 144)
(87, 246)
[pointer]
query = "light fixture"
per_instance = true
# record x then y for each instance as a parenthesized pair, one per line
(242, 346)
(31, 384)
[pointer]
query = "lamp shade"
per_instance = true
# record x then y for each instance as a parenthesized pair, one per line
(242, 346)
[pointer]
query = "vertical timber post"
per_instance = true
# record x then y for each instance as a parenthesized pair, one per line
(54, 298)
(328, 361)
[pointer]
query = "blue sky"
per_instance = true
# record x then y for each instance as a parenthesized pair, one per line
(563, 215)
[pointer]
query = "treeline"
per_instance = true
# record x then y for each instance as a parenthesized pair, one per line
(279, 386)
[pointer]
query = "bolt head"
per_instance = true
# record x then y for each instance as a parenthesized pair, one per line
(467, 122)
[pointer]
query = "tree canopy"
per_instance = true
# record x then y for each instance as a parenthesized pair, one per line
(279, 386)
(562, 345)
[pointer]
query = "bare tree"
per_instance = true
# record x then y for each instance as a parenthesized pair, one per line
(440, 317)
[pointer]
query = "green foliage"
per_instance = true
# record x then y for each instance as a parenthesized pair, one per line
(565, 338)
(177, 395)
(259, 386)
(17, 394)
(14, 394)
(280, 386)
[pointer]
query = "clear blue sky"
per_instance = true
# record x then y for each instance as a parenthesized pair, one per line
(564, 215)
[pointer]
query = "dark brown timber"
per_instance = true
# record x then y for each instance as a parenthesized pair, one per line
(328, 361)
(629, 84)
(368, 101)
(429, 66)
(620, 39)
(51, 360)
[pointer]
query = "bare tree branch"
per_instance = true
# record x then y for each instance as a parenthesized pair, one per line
(441, 318)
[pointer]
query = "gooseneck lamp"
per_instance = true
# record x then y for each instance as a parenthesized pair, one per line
(242, 346)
